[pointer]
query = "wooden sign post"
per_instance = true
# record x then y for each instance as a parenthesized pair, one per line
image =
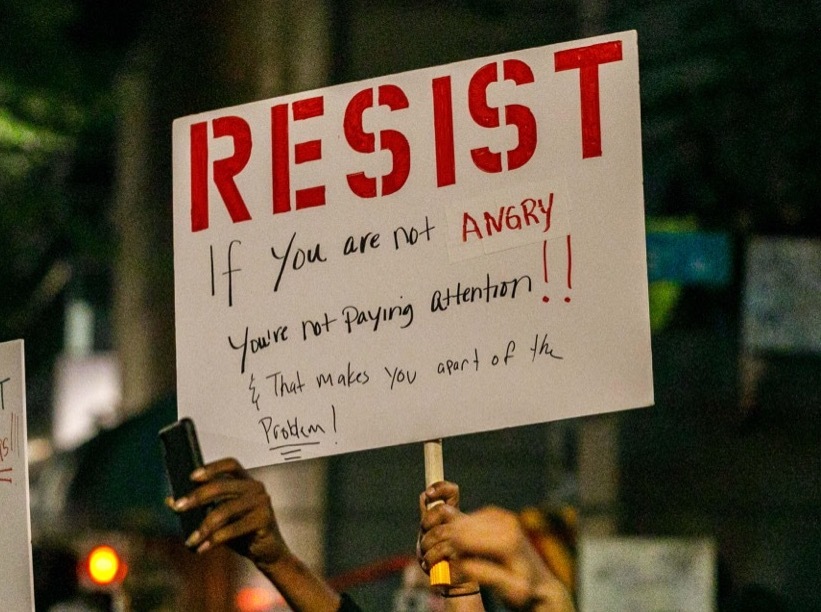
(435, 472)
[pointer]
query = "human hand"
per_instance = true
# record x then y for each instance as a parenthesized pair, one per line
(439, 505)
(490, 548)
(242, 518)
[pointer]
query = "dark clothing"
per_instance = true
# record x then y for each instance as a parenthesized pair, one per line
(347, 604)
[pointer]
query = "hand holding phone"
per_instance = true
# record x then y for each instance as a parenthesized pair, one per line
(181, 451)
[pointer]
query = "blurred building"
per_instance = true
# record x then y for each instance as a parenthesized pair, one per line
(730, 451)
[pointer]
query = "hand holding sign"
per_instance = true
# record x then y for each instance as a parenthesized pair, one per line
(435, 472)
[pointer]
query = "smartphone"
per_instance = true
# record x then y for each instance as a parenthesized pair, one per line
(181, 451)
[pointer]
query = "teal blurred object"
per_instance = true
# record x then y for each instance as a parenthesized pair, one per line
(689, 258)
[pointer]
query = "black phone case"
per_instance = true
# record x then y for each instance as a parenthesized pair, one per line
(181, 451)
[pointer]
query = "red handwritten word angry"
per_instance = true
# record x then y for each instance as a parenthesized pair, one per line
(528, 213)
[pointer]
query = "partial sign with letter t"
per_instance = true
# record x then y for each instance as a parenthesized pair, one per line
(16, 579)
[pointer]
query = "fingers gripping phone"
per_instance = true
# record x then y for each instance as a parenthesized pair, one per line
(181, 451)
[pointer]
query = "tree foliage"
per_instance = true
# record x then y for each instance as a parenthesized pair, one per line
(729, 91)
(57, 116)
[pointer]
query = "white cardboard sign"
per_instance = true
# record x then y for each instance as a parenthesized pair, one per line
(16, 579)
(438, 252)
(647, 574)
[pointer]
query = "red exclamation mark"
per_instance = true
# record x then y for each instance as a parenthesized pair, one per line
(545, 298)
(569, 268)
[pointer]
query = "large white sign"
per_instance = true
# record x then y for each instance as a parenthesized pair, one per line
(16, 580)
(433, 253)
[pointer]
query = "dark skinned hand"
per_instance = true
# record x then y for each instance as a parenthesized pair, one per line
(242, 518)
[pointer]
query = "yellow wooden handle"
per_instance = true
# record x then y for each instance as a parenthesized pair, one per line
(440, 574)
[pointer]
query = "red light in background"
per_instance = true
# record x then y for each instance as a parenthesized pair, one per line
(257, 599)
(104, 567)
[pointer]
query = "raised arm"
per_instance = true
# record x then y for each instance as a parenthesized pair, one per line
(244, 520)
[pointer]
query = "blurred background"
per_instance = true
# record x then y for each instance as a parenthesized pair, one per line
(729, 456)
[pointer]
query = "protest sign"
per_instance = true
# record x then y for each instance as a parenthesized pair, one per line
(443, 251)
(632, 574)
(17, 583)
(782, 296)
